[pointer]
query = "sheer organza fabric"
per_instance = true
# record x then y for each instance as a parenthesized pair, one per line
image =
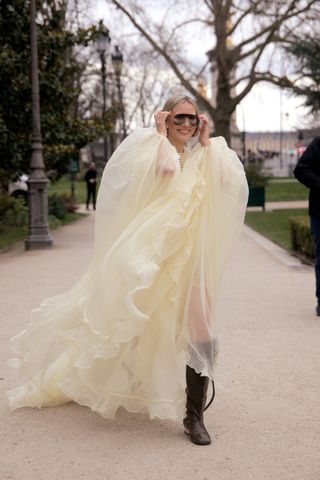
(145, 307)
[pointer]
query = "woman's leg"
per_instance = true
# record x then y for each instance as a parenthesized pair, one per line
(197, 385)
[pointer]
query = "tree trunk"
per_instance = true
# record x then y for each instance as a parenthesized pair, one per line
(222, 128)
(223, 110)
(221, 56)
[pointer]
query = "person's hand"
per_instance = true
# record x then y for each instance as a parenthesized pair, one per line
(165, 170)
(160, 119)
(204, 130)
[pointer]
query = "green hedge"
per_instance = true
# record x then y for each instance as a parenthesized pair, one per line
(255, 177)
(60, 205)
(13, 212)
(301, 238)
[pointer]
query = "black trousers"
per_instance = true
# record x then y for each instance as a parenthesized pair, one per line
(315, 230)
(91, 192)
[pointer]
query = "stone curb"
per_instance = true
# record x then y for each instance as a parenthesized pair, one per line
(279, 253)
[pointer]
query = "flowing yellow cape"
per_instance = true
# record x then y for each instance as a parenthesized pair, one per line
(145, 307)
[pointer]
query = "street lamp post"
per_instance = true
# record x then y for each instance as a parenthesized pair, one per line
(38, 236)
(244, 151)
(117, 62)
(283, 117)
(103, 42)
(243, 135)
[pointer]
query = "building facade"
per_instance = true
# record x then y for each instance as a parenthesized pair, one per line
(279, 151)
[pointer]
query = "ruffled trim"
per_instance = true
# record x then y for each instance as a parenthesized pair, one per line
(84, 356)
(144, 280)
(88, 345)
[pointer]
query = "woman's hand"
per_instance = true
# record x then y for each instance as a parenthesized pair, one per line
(160, 119)
(165, 170)
(204, 131)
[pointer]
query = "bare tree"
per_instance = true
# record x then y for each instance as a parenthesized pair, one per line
(245, 35)
(147, 82)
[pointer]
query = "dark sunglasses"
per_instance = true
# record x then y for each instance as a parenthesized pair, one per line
(180, 118)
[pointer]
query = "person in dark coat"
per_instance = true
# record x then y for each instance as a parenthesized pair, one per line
(91, 180)
(307, 171)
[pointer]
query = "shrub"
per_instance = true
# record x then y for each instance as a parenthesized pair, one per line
(69, 202)
(61, 204)
(301, 238)
(57, 206)
(13, 212)
(254, 175)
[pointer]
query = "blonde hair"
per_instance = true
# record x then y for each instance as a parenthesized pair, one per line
(173, 101)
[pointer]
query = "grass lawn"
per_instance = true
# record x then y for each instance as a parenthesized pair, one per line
(281, 191)
(277, 190)
(64, 186)
(10, 235)
(274, 225)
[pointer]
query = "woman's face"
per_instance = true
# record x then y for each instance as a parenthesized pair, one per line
(180, 129)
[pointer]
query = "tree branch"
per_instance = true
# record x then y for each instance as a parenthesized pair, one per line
(239, 20)
(209, 5)
(186, 83)
(282, 82)
(194, 20)
(276, 24)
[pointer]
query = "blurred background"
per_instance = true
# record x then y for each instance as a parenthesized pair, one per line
(98, 69)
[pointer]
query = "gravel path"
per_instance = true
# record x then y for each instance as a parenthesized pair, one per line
(265, 421)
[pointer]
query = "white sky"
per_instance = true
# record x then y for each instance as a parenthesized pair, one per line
(260, 108)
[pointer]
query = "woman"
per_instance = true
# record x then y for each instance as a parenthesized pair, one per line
(144, 310)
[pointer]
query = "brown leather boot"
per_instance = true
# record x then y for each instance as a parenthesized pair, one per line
(197, 387)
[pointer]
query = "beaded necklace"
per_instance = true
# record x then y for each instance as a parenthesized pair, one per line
(182, 159)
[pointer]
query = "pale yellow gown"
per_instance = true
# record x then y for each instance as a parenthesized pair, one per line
(145, 308)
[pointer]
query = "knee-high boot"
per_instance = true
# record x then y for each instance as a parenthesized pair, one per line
(197, 387)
